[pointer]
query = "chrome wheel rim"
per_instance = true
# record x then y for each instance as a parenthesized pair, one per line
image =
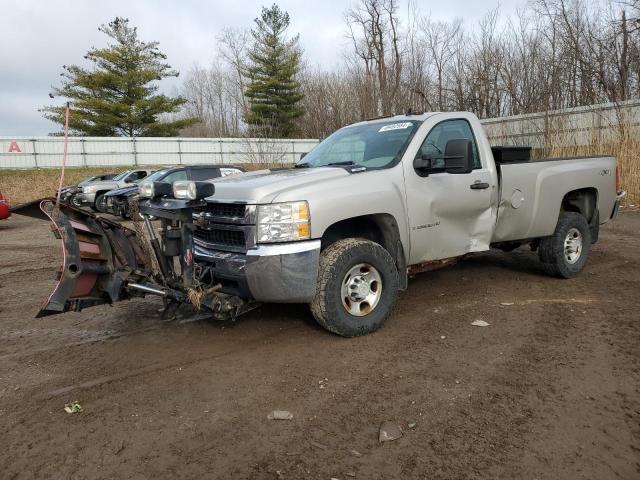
(572, 246)
(361, 289)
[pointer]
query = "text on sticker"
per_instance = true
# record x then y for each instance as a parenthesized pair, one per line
(395, 126)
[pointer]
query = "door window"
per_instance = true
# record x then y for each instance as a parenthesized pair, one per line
(175, 176)
(204, 173)
(436, 141)
(136, 176)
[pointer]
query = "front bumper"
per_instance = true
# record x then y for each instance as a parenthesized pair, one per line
(4, 210)
(279, 273)
(117, 205)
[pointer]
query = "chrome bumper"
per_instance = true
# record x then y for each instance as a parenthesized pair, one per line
(285, 273)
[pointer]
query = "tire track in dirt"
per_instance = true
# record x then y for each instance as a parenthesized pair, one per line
(157, 368)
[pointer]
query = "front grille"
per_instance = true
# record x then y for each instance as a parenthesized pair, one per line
(234, 238)
(225, 210)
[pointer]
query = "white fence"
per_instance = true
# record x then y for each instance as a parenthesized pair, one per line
(577, 126)
(44, 152)
(588, 125)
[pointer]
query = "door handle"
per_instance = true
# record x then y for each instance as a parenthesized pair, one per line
(479, 186)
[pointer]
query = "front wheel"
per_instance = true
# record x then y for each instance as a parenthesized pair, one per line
(101, 203)
(357, 287)
(564, 254)
(75, 200)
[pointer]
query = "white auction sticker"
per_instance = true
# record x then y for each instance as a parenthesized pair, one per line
(227, 172)
(395, 126)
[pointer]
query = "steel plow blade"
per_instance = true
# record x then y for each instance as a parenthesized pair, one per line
(99, 257)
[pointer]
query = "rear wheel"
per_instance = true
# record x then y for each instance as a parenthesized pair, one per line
(357, 287)
(564, 254)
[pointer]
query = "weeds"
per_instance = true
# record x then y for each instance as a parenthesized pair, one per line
(19, 186)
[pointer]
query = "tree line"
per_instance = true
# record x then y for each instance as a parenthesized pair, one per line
(552, 54)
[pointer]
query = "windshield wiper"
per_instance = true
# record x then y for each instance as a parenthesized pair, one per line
(338, 164)
(332, 164)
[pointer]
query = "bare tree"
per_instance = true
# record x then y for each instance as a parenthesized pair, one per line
(373, 27)
(553, 54)
(440, 39)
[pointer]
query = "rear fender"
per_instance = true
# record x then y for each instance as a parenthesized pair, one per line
(99, 257)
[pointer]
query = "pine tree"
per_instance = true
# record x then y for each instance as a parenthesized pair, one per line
(118, 95)
(273, 91)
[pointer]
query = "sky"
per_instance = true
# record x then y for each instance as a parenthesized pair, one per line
(37, 37)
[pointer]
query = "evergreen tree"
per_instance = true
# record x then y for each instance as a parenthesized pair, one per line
(118, 95)
(273, 91)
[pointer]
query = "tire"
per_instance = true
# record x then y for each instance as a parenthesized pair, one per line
(348, 263)
(75, 201)
(564, 254)
(138, 215)
(100, 205)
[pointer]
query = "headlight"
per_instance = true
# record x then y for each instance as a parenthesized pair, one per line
(90, 189)
(283, 222)
(145, 190)
(154, 189)
(188, 190)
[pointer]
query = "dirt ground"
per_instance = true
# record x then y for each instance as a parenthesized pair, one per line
(550, 390)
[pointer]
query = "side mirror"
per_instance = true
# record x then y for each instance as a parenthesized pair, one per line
(422, 163)
(458, 156)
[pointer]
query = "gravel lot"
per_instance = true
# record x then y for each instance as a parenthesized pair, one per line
(550, 390)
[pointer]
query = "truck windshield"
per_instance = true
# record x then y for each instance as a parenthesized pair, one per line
(156, 176)
(371, 145)
(120, 176)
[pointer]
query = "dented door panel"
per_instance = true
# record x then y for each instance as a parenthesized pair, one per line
(448, 218)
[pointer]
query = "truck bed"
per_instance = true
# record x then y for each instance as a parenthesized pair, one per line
(531, 193)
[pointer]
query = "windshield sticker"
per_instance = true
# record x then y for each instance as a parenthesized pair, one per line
(227, 172)
(395, 126)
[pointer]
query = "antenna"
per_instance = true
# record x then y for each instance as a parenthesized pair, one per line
(64, 154)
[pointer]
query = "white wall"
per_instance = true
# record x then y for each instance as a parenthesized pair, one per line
(573, 126)
(43, 152)
(579, 126)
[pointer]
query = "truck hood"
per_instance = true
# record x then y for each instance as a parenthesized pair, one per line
(102, 185)
(263, 186)
(125, 191)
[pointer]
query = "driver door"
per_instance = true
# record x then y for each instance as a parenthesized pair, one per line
(449, 214)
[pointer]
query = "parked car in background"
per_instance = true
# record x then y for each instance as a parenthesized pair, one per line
(4, 208)
(92, 194)
(119, 201)
(70, 193)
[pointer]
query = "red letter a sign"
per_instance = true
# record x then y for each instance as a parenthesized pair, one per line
(13, 147)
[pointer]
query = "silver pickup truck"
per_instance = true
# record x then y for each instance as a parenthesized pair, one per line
(93, 193)
(372, 204)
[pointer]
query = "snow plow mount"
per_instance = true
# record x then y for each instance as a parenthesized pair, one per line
(105, 262)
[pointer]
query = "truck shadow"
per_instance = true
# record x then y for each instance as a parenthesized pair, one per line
(520, 260)
(281, 312)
